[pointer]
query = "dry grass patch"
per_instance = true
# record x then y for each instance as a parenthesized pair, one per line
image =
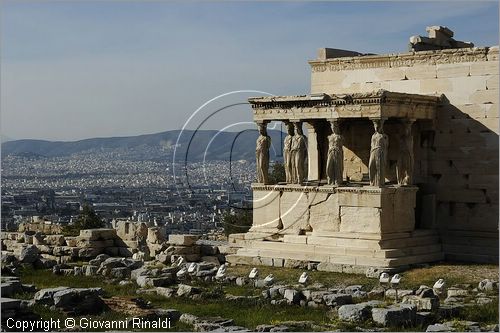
(451, 273)
(413, 278)
(291, 276)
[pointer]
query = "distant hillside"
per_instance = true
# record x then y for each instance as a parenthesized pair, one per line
(152, 146)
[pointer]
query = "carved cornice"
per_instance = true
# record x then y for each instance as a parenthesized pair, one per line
(375, 104)
(377, 97)
(318, 101)
(410, 59)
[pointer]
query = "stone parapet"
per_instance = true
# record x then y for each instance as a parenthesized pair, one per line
(407, 59)
(295, 210)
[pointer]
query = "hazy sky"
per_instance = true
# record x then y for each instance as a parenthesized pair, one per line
(73, 70)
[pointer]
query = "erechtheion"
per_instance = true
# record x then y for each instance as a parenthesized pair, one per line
(398, 163)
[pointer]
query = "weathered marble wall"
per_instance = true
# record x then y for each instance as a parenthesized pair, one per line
(326, 211)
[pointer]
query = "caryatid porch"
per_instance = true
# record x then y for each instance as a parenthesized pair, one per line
(355, 206)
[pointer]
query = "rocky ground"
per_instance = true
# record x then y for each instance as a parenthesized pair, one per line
(203, 296)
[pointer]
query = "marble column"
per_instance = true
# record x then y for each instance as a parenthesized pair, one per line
(404, 166)
(313, 155)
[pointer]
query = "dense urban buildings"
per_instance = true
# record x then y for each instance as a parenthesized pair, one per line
(53, 189)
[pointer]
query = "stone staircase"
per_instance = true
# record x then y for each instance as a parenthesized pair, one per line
(346, 252)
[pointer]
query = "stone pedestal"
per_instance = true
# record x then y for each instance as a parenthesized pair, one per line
(300, 209)
(355, 226)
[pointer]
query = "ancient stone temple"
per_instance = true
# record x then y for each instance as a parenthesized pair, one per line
(391, 160)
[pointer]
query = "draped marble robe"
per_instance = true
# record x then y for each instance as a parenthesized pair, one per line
(287, 155)
(299, 149)
(378, 156)
(262, 155)
(335, 161)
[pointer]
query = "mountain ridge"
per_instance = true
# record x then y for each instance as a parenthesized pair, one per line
(191, 145)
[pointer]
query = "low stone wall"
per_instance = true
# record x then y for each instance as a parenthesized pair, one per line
(59, 248)
(295, 210)
(48, 229)
(127, 240)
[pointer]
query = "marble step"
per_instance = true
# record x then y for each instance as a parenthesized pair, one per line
(344, 250)
(347, 259)
(250, 258)
(400, 240)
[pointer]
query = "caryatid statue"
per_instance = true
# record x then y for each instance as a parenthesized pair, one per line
(299, 148)
(335, 161)
(262, 154)
(404, 166)
(378, 155)
(287, 154)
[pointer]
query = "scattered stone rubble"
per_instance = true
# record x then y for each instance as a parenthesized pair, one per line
(73, 301)
(140, 256)
(12, 307)
(131, 240)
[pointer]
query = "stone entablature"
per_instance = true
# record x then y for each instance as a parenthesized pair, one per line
(378, 104)
(408, 59)
(337, 124)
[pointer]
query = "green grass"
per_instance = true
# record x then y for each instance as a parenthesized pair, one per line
(46, 279)
(23, 295)
(241, 291)
(47, 313)
(486, 313)
(250, 313)
(247, 313)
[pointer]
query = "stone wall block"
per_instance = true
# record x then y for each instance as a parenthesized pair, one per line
(420, 72)
(453, 70)
(484, 68)
(492, 82)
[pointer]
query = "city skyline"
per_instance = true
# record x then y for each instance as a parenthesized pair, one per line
(72, 71)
